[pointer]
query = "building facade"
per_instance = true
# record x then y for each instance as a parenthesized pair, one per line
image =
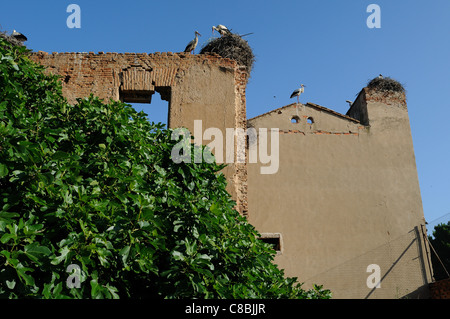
(345, 202)
(343, 208)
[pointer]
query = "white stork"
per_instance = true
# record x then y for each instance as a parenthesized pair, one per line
(192, 44)
(297, 92)
(223, 30)
(18, 36)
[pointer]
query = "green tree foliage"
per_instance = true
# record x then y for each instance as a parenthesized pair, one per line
(441, 243)
(93, 186)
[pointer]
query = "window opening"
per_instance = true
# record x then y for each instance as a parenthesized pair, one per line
(273, 239)
(153, 105)
(295, 120)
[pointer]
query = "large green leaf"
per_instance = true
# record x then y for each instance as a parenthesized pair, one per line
(6, 237)
(3, 170)
(22, 272)
(35, 251)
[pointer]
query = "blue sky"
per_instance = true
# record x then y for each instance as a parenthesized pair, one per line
(324, 44)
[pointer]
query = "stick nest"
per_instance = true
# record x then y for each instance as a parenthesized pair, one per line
(10, 39)
(385, 84)
(233, 47)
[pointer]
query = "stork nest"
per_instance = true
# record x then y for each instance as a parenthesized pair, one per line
(233, 47)
(10, 39)
(386, 84)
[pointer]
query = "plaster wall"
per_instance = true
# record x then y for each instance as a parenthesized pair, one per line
(342, 190)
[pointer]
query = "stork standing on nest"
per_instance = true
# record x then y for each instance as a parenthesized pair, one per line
(223, 30)
(297, 93)
(18, 36)
(192, 44)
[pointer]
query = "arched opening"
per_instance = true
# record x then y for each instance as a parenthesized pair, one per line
(310, 120)
(295, 119)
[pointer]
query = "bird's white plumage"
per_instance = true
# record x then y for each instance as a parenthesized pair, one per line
(19, 36)
(299, 91)
(223, 30)
(193, 43)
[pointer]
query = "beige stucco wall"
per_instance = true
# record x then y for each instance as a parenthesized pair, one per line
(207, 94)
(345, 196)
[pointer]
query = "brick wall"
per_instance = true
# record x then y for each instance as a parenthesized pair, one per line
(192, 84)
(240, 176)
(440, 289)
(105, 74)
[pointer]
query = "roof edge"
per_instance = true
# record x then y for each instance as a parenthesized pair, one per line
(313, 105)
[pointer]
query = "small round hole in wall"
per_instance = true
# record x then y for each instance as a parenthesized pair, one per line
(310, 120)
(295, 120)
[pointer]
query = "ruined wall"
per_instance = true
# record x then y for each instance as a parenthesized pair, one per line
(198, 87)
(346, 196)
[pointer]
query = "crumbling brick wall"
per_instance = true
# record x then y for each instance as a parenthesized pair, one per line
(106, 74)
(198, 87)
